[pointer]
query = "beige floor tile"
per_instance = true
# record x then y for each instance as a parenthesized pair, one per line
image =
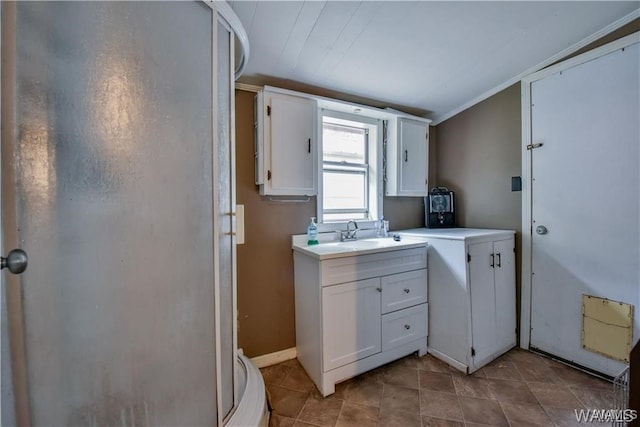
(555, 395)
(482, 411)
(511, 391)
(574, 377)
(401, 376)
(321, 411)
(297, 379)
(440, 405)
(279, 421)
(358, 416)
(436, 381)
(286, 402)
(399, 419)
(503, 370)
(594, 398)
(473, 387)
(430, 363)
(440, 422)
(525, 414)
(395, 398)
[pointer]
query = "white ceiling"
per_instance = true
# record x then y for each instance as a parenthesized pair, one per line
(438, 57)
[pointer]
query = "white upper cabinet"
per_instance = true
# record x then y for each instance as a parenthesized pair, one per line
(407, 157)
(285, 138)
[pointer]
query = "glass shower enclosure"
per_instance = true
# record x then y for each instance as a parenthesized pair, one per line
(118, 182)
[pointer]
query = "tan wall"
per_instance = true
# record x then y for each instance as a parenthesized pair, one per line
(266, 321)
(477, 154)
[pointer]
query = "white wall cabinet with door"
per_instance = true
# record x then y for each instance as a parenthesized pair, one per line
(285, 144)
(355, 313)
(472, 294)
(407, 166)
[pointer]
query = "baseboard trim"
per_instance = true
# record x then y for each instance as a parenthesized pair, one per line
(274, 358)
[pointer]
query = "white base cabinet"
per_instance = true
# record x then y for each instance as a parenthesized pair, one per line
(472, 294)
(356, 313)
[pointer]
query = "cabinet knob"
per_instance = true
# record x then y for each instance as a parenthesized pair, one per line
(379, 289)
(407, 327)
(406, 290)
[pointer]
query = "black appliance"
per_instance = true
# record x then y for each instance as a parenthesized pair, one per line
(440, 208)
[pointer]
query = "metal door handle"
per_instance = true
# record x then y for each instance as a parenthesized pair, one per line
(16, 261)
(406, 155)
(541, 229)
(407, 327)
(406, 290)
(492, 260)
(499, 262)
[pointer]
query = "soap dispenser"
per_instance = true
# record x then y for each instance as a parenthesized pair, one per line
(312, 232)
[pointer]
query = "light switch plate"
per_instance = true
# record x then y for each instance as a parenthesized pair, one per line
(239, 224)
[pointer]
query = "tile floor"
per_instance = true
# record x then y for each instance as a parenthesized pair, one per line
(518, 389)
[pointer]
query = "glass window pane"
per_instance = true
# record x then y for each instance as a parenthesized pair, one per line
(344, 190)
(344, 216)
(343, 144)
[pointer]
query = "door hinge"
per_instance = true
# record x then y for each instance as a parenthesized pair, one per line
(268, 110)
(532, 146)
(468, 257)
(268, 175)
(473, 351)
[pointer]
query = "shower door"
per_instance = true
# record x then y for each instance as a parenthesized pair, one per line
(111, 184)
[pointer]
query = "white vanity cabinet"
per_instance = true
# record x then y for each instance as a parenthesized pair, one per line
(355, 313)
(407, 157)
(285, 141)
(472, 294)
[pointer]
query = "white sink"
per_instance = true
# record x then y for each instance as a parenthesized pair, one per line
(337, 249)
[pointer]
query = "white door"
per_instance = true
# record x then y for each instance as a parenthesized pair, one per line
(585, 192)
(108, 178)
(350, 322)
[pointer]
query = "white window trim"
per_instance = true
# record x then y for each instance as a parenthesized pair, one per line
(376, 184)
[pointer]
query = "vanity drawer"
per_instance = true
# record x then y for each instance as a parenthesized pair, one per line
(349, 269)
(404, 326)
(404, 290)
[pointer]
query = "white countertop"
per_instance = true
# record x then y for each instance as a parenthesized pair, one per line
(457, 233)
(336, 249)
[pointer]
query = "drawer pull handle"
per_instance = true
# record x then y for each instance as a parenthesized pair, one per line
(406, 290)
(407, 327)
(379, 289)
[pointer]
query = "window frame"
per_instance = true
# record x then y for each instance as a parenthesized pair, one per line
(374, 173)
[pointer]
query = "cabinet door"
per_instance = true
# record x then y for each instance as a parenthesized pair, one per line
(350, 322)
(483, 302)
(413, 157)
(290, 139)
(505, 289)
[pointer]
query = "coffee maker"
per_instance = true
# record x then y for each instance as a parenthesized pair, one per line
(440, 208)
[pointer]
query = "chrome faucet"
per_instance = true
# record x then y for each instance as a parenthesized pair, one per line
(349, 234)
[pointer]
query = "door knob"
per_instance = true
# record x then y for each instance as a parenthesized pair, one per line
(16, 261)
(541, 229)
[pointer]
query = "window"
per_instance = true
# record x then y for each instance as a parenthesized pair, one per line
(349, 181)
